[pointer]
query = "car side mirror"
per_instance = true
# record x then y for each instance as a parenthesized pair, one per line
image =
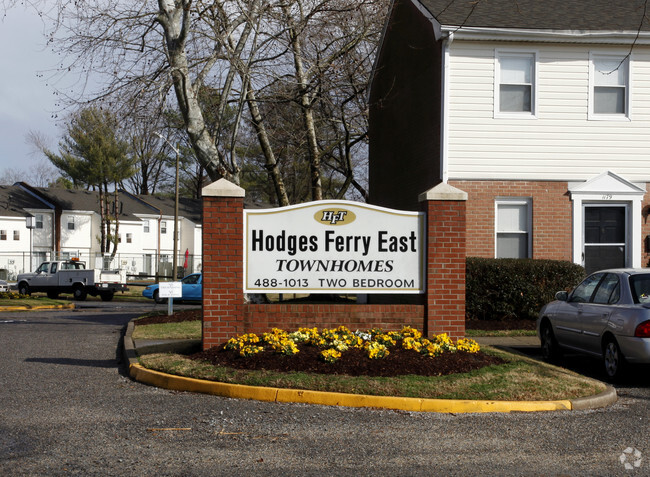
(562, 296)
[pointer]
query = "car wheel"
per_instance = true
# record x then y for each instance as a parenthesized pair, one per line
(613, 360)
(79, 294)
(106, 296)
(23, 289)
(157, 299)
(550, 349)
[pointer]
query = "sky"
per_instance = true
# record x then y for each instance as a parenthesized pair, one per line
(27, 103)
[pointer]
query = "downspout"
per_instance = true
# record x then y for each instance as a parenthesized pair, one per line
(444, 109)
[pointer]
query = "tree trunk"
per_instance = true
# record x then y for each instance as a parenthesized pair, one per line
(307, 105)
(175, 21)
(270, 161)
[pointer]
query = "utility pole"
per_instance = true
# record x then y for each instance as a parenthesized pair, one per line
(175, 259)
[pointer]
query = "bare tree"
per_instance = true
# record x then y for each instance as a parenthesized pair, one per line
(169, 51)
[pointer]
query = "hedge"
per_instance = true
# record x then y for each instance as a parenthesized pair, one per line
(504, 288)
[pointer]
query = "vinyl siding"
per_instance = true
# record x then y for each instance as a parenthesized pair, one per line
(561, 143)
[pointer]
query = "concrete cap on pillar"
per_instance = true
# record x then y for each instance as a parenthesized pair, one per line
(223, 188)
(443, 191)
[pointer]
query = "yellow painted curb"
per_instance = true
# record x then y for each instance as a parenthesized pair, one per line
(37, 307)
(179, 383)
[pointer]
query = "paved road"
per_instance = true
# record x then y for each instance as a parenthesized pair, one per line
(67, 408)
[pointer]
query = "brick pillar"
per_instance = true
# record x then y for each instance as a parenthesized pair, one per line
(446, 253)
(223, 297)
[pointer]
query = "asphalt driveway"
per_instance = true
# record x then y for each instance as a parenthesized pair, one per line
(68, 408)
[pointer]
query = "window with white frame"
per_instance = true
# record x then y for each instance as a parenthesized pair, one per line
(129, 238)
(3, 235)
(163, 227)
(38, 223)
(146, 226)
(610, 86)
(16, 234)
(70, 222)
(513, 228)
(515, 83)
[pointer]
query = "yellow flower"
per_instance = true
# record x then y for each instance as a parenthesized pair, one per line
(468, 345)
(330, 355)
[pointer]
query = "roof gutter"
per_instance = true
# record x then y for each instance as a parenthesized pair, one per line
(548, 36)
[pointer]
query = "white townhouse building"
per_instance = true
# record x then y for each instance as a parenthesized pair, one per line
(538, 109)
(66, 223)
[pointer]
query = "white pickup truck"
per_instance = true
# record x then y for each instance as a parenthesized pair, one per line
(72, 277)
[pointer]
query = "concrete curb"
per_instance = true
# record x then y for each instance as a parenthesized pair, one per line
(259, 393)
(38, 307)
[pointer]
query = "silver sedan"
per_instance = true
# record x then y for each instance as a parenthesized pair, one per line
(607, 315)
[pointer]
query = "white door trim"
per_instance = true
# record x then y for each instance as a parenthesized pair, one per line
(608, 189)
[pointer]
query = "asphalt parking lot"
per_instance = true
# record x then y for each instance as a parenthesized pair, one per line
(68, 408)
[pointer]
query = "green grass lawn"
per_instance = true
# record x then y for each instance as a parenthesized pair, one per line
(168, 331)
(30, 302)
(519, 379)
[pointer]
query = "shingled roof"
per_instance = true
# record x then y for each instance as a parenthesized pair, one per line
(14, 202)
(561, 15)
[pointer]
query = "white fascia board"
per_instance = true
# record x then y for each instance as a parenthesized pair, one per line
(554, 36)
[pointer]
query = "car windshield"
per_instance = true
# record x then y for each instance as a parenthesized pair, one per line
(640, 287)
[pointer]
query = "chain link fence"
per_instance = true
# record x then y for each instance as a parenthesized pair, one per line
(139, 267)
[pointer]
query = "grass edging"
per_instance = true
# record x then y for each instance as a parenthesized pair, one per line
(520, 379)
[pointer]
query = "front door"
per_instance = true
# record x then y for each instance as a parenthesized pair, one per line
(605, 244)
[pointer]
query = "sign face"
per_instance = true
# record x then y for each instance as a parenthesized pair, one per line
(333, 246)
(170, 290)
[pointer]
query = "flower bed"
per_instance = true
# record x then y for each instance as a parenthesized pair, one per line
(341, 351)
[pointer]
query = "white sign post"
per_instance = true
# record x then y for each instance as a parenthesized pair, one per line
(170, 290)
(333, 246)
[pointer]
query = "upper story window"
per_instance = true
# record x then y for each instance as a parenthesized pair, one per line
(129, 238)
(70, 222)
(163, 227)
(39, 221)
(16, 234)
(515, 90)
(513, 228)
(3, 235)
(146, 226)
(610, 87)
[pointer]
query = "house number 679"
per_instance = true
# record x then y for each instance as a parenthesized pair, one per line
(607, 196)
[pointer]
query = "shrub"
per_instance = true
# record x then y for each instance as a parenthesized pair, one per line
(504, 288)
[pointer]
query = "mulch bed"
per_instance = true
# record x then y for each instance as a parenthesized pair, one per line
(177, 317)
(353, 362)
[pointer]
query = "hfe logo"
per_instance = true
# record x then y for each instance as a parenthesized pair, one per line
(333, 217)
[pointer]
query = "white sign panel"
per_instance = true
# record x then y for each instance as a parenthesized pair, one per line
(333, 246)
(170, 290)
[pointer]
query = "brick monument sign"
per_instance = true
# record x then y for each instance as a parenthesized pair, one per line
(437, 276)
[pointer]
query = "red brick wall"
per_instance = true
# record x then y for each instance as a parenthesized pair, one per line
(262, 318)
(446, 268)
(223, 296)
(552, 216)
